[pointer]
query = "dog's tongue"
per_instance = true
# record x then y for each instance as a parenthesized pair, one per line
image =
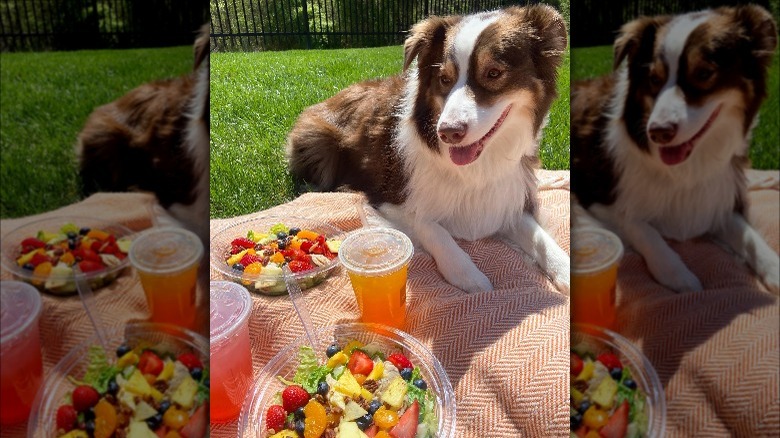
(465, 154)
(672, 155)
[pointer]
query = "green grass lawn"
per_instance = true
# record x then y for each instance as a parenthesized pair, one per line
(765, 146)
(256, 98)
(45, 98)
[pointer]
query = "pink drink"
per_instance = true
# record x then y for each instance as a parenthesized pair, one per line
(230, 357)
(21, 367)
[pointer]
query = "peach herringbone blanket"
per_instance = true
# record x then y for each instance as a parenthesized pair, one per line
(506, 352)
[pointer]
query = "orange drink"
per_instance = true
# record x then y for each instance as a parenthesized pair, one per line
(377, 261)
(230, 356)
(21, 366)
(595, 256)
(167, 261)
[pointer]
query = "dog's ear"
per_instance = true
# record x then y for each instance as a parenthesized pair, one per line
(759, 27)
(425, 35)
(202, 46)
(549, 29)
(637, 35)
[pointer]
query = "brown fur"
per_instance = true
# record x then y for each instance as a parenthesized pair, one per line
(138, 142)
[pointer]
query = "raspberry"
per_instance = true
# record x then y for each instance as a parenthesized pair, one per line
(248, 259)
(400, 361)
(66, 418)
(294, 397)
(275, 418)
(84, 397)
(243, 241)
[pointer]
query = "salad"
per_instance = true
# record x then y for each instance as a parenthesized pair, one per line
(359, 392)
(257, 258)
(143, 393)
(605, 399)
(50, 256)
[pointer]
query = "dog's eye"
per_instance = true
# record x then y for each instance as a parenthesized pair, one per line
(655, 80)
(494, 73)
(703, 74)
(445, 80)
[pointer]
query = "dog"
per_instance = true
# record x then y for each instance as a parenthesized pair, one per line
(659, 147)
(447, 149)
(156, 138)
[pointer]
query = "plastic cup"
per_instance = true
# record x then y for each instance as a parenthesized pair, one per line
(21, 366)
(595, 255)
(377, 260)
(167, 261)
(230, 356)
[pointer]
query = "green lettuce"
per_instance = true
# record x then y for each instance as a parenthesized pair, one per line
(99, 371)
(309, 372)
(425, 399)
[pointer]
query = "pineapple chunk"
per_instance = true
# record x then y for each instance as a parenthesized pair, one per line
(138, 385)
(377, 372)
(604, 395)
(287, 433)
(75, 433)
(348, 429)
(353, 411)
(337, 399)
(129, 358)
(587, 370)
(576, 395)
(167, 371)
(395, 393)
(184, 394)
(347, 385)
(337, 359)
(139, 429)
(366, 394)
(144, 411)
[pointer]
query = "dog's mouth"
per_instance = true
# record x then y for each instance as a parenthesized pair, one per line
(463, 155)
(672, 155)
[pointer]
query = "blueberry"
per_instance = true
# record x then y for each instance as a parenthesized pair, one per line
(84, 231)
(323, 388)
(281, 235)
(584, 406)
(71, 235)
(616, 373)
(281, 244)
(113, 387)
(576, 420)
(155, 421)
(374, 406)
(89, 427)
(29, 266)
(122, 350)
(332, 349)
(300, 425)
(294, 231)
(196, 373)
(420, 383)
(406, 373)
(164, 405)
(71, 244)
(365, 421)
(238, 267)
(299, 414)
(629, 383)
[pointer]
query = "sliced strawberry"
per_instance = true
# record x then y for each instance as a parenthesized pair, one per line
(576, 364)
(96, 245)
(190, 360)
(582, 431)
(617, 425)
(360, 363)
(109, 248)
(407, 424)
(610, 360)
(372, 431)
(33, 242)
(90, 266)
(243, 241)
(235, 249)
(89, 254)
(150, 363)
(400, 361)
(299, 266)
(248, 259)
(84, 397)
(39, 258)
(196, 427)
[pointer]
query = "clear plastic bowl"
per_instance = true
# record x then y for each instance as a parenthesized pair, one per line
(597, 339)
(66, 285)
(284, 364)
(57, 386)
(263, 283)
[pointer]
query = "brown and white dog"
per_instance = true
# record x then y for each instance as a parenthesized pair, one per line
(660, 146)
(448, 148)
(156, 138)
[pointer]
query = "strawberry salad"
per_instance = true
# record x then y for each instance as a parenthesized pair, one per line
(356, 393)
(257, 259)
(144, 393)
(605, 399)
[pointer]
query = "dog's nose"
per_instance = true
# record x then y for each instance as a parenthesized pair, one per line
(662, 133)
(452, 133)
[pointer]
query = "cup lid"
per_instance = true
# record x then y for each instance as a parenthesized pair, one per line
(593, 250)
(230, 305)
(20, 306)
(165, 250)
(375, 251)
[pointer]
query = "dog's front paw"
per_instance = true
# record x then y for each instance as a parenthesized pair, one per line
(676, 277)
(465, 276)
(563, 283)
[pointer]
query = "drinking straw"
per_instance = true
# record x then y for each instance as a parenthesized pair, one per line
(90, 306)
(299, 303)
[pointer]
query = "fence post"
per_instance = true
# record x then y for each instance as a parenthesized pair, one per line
(306, 21)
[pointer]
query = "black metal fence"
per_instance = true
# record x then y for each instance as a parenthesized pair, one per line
(245, 25)
(596, 22)
(92, 24)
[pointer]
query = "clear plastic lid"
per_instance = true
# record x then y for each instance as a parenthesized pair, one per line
(230, 305)
(593, 250)
(165, 250)
(375, 251)
(20, 307)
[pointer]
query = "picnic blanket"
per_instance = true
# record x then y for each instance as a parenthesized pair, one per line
(506, 352)
(64, 323)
